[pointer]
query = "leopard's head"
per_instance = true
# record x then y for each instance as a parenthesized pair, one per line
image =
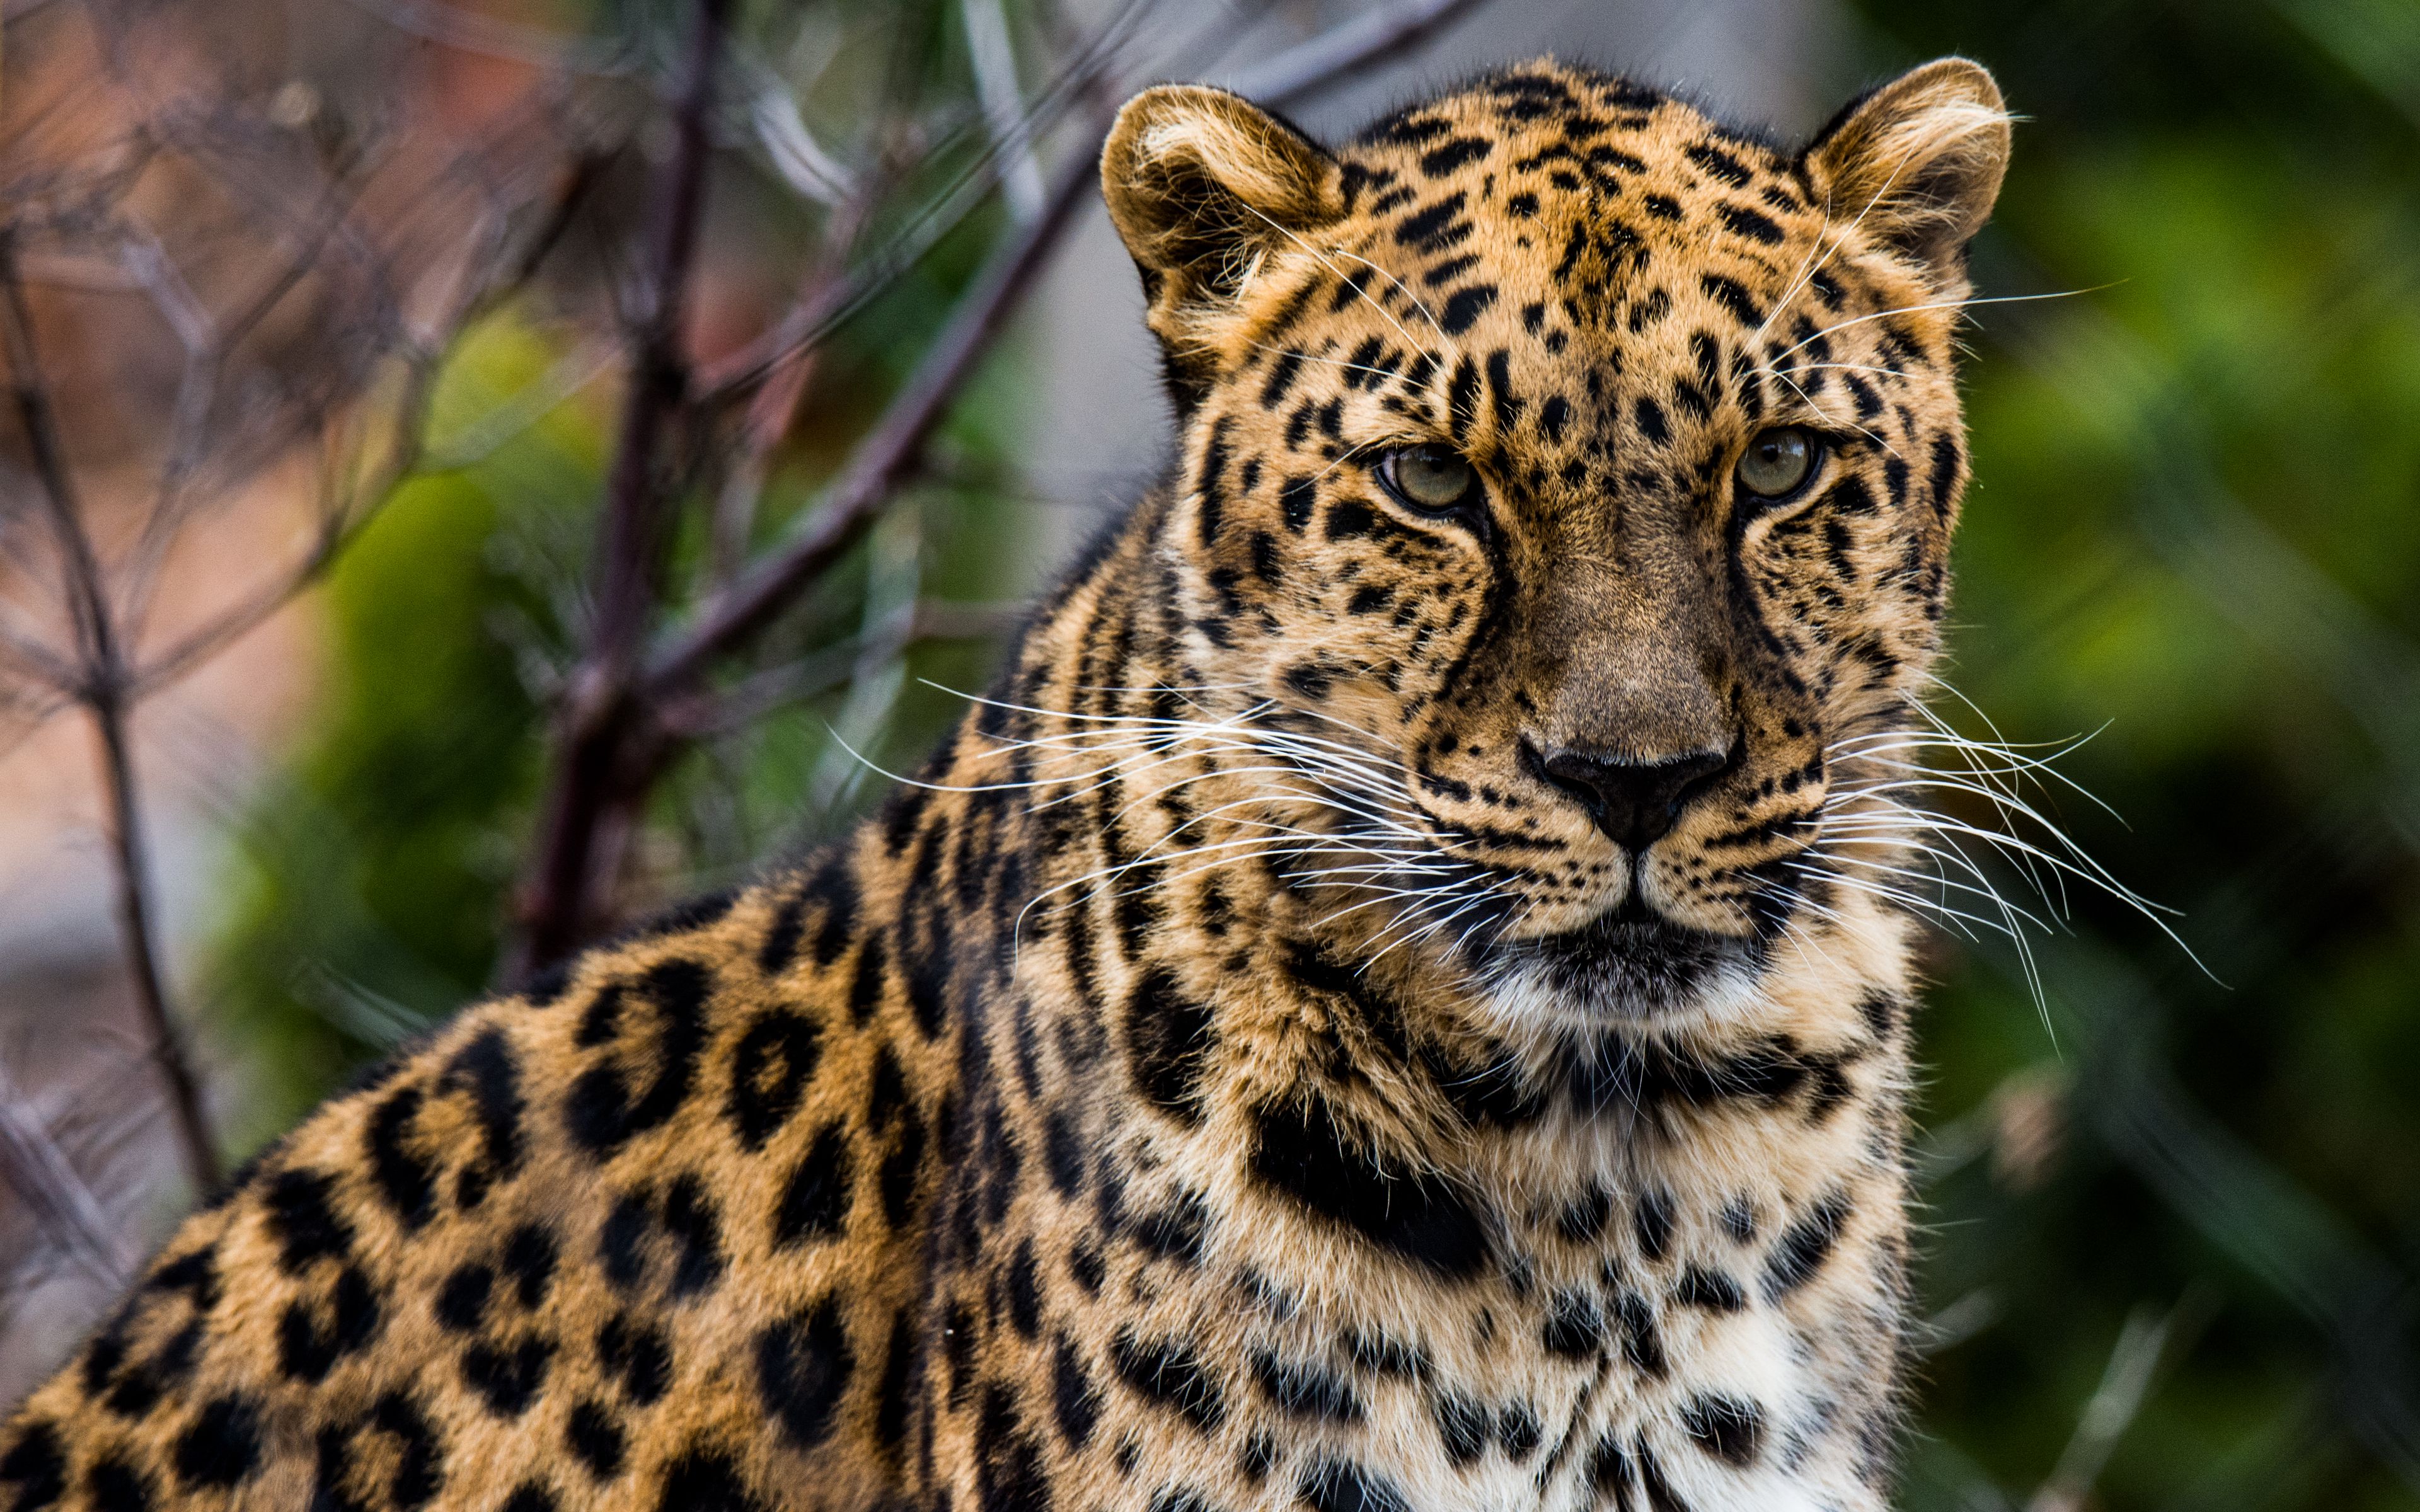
(1571, 479)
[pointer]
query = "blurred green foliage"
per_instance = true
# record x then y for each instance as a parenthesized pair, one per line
(2171, 1226)
(2196, 522)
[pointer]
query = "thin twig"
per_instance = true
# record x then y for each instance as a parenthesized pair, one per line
(887, 455)
(805, 324)
(338, 529)
(104, 673)
(102, 688)
(480, 293)
(772, 408)
(46, 1182)
(2133, 1361)
(601, 725)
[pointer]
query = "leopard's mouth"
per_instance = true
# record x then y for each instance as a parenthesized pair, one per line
(1630, 962)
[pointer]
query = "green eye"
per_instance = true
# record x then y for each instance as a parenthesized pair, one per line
(1428, 478)
(1777, 462)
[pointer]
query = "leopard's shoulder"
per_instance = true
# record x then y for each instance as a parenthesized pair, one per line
(652, 1225)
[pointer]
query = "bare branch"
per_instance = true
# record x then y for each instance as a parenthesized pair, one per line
(344, 516)
(889, 451)
(807, 322)
(102, 690)
(593, 767)
(232, 290)
(773, 407)
(37, 661)
(612, 736)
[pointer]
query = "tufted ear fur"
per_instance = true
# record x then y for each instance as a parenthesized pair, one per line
(1919, 160)
(1202, 184)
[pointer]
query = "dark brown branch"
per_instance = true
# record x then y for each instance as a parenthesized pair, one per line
(603, 729)
(103, 688)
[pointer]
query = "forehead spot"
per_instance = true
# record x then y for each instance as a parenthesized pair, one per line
(1750, 224)
(1458, 153)
(1732, 296)
(1464, 308)
(1528, 97)
(1452, 269)
(1437, 227)
(1610, 157)
(1719, 163)
(1410, 129)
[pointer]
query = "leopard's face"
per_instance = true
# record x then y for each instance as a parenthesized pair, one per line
(1574, 479)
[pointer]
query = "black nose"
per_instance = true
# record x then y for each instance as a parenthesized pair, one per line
(1634, 802)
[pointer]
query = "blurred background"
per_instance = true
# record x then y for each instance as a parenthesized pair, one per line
(465, 486)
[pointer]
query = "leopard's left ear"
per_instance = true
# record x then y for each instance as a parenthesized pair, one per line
(1201, 184)
(1917, 164)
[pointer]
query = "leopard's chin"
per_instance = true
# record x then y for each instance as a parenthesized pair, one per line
(1628, 963)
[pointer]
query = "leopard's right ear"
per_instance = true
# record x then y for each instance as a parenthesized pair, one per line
(1917, 164)
(1203, 185)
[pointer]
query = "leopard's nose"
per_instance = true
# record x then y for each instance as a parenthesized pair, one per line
(1634, 801)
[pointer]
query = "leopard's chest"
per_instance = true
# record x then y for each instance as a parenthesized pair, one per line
(1556, 1394)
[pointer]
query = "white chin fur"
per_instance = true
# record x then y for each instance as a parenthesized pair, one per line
(1530, 997)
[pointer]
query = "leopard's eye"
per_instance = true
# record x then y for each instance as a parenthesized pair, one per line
(1430, 478)
(1777, 462)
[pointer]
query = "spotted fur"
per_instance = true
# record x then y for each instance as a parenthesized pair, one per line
(1298, 1044)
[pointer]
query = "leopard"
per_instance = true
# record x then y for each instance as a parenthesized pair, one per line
(1389, 1003)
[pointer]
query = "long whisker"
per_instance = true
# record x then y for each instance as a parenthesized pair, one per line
(1900, 763)
(1931, 305)
(1817, 255)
